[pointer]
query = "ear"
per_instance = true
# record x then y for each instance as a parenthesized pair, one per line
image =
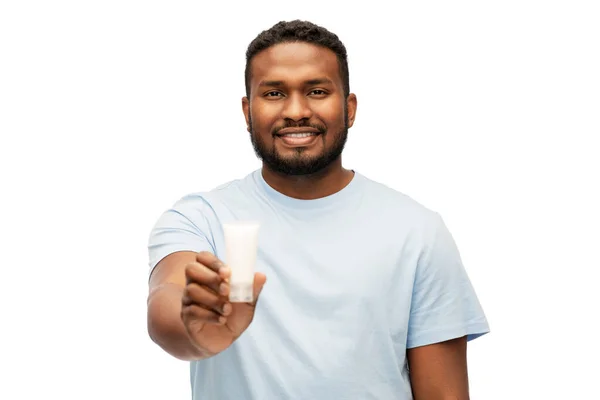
(246, 110)
(351, 107)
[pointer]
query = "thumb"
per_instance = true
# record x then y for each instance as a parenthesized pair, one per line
(259, 283)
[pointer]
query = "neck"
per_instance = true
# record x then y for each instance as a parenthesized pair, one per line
(309, 187)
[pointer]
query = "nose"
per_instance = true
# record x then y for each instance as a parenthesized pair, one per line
(297, 108)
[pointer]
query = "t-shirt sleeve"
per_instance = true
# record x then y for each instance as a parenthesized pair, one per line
(444, 303)
(183, 227)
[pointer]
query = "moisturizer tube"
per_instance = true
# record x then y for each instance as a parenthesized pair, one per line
(241, 247)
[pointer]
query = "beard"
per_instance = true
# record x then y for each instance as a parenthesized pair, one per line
(299, 163)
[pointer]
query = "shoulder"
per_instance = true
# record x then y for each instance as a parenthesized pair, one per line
(228, 189)
(207, 203)
(399, 206)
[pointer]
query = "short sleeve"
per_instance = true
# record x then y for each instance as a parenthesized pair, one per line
(183, 227)
(444, 303)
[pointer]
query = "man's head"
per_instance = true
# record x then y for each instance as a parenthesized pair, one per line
(298, 105)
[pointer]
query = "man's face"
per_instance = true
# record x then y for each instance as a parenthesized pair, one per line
(297, 115)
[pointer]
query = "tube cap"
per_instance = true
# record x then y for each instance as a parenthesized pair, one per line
(241, 293)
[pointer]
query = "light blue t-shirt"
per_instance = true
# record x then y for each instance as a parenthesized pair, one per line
(353, 280)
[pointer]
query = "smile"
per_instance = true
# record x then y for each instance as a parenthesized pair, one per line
(299, 139)
(299, 135)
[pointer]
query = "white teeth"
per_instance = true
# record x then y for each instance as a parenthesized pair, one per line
(298, 135)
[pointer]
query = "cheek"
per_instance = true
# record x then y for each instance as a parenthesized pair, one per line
(263, 117)
(332, 112)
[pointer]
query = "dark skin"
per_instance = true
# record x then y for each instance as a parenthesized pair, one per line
(296, 83)
(189, 314)
(292, 85)
(439, 371)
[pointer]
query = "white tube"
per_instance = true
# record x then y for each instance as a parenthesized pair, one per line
(241, 247)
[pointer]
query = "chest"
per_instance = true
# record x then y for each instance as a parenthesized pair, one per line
(337, 293)
(335, 264)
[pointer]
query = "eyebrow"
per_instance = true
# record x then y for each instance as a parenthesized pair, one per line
(318, 81)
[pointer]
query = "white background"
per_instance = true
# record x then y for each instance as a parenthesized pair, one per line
(110, 111)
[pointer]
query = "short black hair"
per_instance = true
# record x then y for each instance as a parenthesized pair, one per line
(299, 31)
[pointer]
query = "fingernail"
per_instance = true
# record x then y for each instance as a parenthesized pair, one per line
(226, 272)
(223, 289)
(226, 309)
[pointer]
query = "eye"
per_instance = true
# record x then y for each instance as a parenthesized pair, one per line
(318, 92)
(273, 93)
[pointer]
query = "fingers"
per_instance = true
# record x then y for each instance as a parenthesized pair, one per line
(195, 312)
(213, 263)
(204, 302)
(195, 294)
(203, 276)
(206, 292)
(208, 272)
(259, 282)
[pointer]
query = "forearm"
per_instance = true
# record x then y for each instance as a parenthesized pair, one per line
(165, 326)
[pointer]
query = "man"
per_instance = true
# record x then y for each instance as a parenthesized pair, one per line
(366, 297)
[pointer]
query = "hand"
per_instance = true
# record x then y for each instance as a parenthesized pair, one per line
(212, 322)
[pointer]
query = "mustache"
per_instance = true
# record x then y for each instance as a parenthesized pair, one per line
(292, 124)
